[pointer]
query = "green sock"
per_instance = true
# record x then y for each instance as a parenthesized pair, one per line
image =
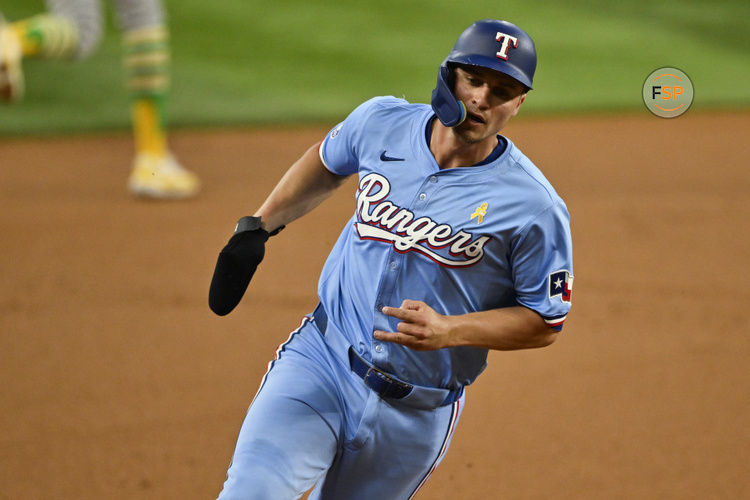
(48, 36)
(147, 65)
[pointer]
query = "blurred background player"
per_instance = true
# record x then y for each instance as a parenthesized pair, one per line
(71, 29)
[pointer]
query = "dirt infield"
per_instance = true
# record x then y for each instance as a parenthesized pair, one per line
(118, 382)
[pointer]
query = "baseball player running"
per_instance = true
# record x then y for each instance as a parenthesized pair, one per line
(458, 244)
(72, 29)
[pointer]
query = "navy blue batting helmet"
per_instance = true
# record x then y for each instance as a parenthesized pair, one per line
(489, 43)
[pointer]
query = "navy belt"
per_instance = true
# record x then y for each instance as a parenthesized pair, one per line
(376, 379)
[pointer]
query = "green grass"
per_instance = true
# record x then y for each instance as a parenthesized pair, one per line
(240, 62)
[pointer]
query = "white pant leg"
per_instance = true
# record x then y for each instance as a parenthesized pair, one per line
(291, 432)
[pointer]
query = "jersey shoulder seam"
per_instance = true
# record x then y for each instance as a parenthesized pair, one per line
(518, 162)
(380, 103)
(521, 233)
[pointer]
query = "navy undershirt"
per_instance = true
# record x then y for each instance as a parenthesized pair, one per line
(502, 143)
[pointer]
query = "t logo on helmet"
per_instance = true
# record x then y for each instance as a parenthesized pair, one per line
(505, 39)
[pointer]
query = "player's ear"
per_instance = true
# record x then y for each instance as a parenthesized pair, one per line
(521, 99)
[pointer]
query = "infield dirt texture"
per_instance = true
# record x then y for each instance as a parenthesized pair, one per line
(118, 381)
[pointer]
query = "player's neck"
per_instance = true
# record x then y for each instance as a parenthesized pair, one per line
(451, 151)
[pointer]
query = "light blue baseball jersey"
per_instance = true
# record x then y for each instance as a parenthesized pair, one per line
(488, 236)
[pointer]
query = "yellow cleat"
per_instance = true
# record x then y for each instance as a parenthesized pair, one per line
(161, 177)
(11, 73)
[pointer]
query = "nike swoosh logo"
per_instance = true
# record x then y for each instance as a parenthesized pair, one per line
(384, 157)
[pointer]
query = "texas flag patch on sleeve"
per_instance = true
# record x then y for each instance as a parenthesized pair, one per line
(560, 286)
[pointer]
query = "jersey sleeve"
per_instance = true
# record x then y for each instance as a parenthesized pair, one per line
(341, 147)
(542, 262)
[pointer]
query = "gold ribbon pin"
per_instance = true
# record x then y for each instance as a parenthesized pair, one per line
(480, 212)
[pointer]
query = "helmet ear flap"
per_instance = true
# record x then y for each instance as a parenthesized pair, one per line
(449, 110)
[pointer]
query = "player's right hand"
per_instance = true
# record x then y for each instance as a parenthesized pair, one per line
(236, 265)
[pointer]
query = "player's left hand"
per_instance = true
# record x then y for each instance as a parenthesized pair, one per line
(421, 328)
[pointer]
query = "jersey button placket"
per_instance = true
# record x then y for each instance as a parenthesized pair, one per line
(392, 266)
(427, 186)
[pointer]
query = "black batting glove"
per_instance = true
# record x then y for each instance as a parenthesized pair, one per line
(237, 263)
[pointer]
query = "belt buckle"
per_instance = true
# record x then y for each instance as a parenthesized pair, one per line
(384, 377)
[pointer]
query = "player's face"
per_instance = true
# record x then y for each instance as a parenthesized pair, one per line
(491, 99)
